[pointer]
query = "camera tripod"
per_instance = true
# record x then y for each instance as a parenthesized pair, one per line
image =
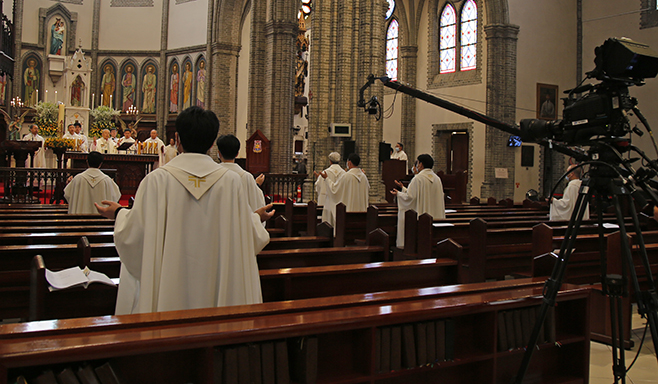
(603, 182)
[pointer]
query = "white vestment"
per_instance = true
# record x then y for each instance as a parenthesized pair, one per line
(333, 172)
(254, 194)
(561, 209)
(350, 188)
(190, 240)
(159, 145)
(170, 152)
(84, 145)
(104, 146)
(402, 155)
(89, 187)
(424, 195)
(39, 154)
(128, 140)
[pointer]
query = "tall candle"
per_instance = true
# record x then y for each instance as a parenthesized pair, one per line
(110, 100)
(37, 95)
(93, 96)
(46, 100)
(56, 97)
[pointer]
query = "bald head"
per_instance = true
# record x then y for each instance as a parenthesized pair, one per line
(575, 173)
(154, 134)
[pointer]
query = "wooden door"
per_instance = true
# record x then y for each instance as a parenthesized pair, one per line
(458, 152)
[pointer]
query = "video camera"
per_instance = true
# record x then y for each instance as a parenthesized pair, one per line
(602, 110)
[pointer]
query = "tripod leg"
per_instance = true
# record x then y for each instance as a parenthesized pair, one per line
(552, 286)
(615, 285)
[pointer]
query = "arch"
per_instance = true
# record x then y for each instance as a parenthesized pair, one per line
(147, 90)
(108, 84)
(128, 85)
(173, 85)
(31, 78)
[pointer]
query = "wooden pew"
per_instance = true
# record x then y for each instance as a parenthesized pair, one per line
(55, 237)
(191, 346)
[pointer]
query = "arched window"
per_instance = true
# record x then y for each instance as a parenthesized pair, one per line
(392, 50)
(448, 43)
(469, 35)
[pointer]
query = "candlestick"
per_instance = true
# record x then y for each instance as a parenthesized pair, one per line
(110, 100)
(37, 95)
(46, 98)
(56, 97)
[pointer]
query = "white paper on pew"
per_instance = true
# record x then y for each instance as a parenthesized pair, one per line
(451, 211)
(610, 226)
(439, 225)
(72, 277)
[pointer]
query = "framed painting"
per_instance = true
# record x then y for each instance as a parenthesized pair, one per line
(547, 101)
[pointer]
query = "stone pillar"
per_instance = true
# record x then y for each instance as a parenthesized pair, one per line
(18, 46)
(408, 64)
(501, 99)
(161, 107)
(96, 74)
(224, 88)
(257, 69)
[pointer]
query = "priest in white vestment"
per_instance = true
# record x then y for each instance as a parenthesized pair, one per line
(89, 187)
(84, 147)
(40, 154)
(228, 147)
(400, 154)
(127, 138)
(424, 195)
(561, 209)
(190, 239)
(351, 188)
(333, 172)
(105, 144)
(170, 151)
(157, 146)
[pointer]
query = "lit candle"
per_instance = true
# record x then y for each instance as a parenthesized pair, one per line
(37, 95)
(46, 100)
(110, 100)
(56, 97)
(93, 96)
(101, 99)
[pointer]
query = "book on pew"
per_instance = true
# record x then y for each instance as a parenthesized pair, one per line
(255, 363)
(440, 340)
(439, 225)
(244, 368)
(386, 349)
(86, 375)
(421, 343)
(74, 277)
(304, 360)
(48, 377)
(67, 376)
(408, 346)
(281, 362)
(396, 348)
(450, 339)
(267, 363)
(106, 374)
(430, 330)
(502, 333)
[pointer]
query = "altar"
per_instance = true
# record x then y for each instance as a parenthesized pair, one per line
(131, 169)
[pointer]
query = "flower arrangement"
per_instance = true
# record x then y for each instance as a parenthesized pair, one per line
(47, 119)
(103, 117)
(58, 142)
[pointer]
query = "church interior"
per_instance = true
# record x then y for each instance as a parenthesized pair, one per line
(290, 79)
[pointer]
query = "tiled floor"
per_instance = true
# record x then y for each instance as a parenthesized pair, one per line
(645, 369)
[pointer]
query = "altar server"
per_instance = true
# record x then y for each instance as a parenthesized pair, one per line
(350, 188)
(424, 195)
(40, 154)
(228, 147)
(333, 172)
(561, 209)
(89, 187)
(190, 239)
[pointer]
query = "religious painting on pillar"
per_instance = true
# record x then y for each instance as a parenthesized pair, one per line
(547, 101)
(31, 79)
(174, 83)
(201, 82)
(128, 86)
(3, 88)
(187, 83)
(77, 88)
(149, 83)
(108, 84)
(57, 35)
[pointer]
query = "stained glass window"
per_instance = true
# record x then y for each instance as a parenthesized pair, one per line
(391, 8)
(469, 38)
(448, 28)
(392, 50)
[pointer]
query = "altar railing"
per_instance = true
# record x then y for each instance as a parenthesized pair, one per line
(37, 185)
(279, 186)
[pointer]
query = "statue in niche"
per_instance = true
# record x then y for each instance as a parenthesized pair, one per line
(301, 67)
(148, 88)
(173, 89)
(76, 92)
(187, 85)
(128, 83)
(108, 83)
(57, 37)
(31, 78)
(201, 84)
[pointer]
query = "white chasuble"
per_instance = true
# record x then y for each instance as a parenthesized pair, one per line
(39, 154)
(561, 209)
(190, 240)
(350, 188)
(424, 195)
(89, 187)
(333, 172)
(254, 194)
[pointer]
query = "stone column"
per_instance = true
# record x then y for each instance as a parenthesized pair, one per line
(408, 64)
(161, 107)
(257, 69)
(224, 88)
(501, 99)
(18, 46)
(97, 73)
